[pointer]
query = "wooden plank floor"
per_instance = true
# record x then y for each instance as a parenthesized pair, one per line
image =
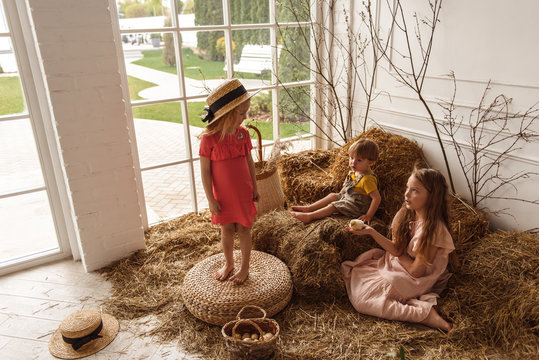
(33, 303)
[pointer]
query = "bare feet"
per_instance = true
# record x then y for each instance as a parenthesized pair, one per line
(300, 208)
(240, 277)
(434, 320)
(303, 217)
(223, 273)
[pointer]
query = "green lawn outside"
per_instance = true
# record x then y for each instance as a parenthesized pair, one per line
(193, 66)
(172, 112)
(11, 100)
(136, 85)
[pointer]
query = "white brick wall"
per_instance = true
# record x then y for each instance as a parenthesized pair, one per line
(76, 44)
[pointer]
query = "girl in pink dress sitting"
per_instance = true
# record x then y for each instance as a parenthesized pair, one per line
(402, 281)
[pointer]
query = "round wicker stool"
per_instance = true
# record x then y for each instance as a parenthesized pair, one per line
(268, 286)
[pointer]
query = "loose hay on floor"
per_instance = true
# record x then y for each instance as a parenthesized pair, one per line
(148, 283)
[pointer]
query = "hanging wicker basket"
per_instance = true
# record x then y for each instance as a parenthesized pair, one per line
(268, 183)
(264, 330)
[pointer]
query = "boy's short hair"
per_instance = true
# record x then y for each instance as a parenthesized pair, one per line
(365, 148)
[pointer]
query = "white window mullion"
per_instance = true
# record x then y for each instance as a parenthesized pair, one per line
(183, 103)
(275, 70)
(228, 39)
(316, 90)
(129, 113)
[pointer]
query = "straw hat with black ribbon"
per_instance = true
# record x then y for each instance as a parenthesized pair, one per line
(83, 333)
(224, 98)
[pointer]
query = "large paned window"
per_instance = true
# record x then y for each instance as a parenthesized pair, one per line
(175, 52)
(32, 226)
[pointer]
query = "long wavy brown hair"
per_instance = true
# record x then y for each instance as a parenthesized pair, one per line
(436, 213)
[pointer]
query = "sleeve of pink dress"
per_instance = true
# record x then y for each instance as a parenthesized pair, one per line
(378, 285)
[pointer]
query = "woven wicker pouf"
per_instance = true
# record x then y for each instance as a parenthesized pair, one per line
(268, 286)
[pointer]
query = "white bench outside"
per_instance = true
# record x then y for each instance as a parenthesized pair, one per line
(255, 59)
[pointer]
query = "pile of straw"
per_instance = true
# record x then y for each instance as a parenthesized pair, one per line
(491, 300)
(497, 292)
(305, 175)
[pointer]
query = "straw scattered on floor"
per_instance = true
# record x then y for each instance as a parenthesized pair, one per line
(492, 302)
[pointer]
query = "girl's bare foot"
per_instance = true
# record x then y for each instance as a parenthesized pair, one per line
(303, 217)
(434, 320)
(300, 208)
(240, 277)
(223, 273)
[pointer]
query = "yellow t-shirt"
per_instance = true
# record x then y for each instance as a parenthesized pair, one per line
(366, 185)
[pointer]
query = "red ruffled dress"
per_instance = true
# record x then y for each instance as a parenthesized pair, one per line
(231, 179)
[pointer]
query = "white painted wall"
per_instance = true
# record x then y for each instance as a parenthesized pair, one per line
(479, 40)
(80, 62)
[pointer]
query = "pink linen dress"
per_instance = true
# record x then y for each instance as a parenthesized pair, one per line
(378, 285)
(231, 179)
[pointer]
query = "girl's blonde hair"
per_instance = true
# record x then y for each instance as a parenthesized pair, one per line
(226, 124)
(436, 213)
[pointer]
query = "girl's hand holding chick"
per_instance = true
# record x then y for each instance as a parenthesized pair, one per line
(358, 227)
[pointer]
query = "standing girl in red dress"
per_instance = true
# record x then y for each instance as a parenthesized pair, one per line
(228, 173)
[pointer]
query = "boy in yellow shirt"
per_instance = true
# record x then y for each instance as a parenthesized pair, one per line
(359, 196)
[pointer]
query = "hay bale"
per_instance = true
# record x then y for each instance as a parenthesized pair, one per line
(305, 176)
(313, 252)
(496, 292)
(313, 263)
(468, 224)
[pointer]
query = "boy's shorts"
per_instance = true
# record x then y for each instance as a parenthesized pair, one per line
(352, 206)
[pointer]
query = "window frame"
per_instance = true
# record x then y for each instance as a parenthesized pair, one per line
(39, 114)
(227, 27)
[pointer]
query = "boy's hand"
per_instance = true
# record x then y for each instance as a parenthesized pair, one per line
(365, 218)
(215, 207)
(256, 196)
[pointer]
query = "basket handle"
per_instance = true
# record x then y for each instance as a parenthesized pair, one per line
(259, 140)
(253, 307)
(246, 321)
